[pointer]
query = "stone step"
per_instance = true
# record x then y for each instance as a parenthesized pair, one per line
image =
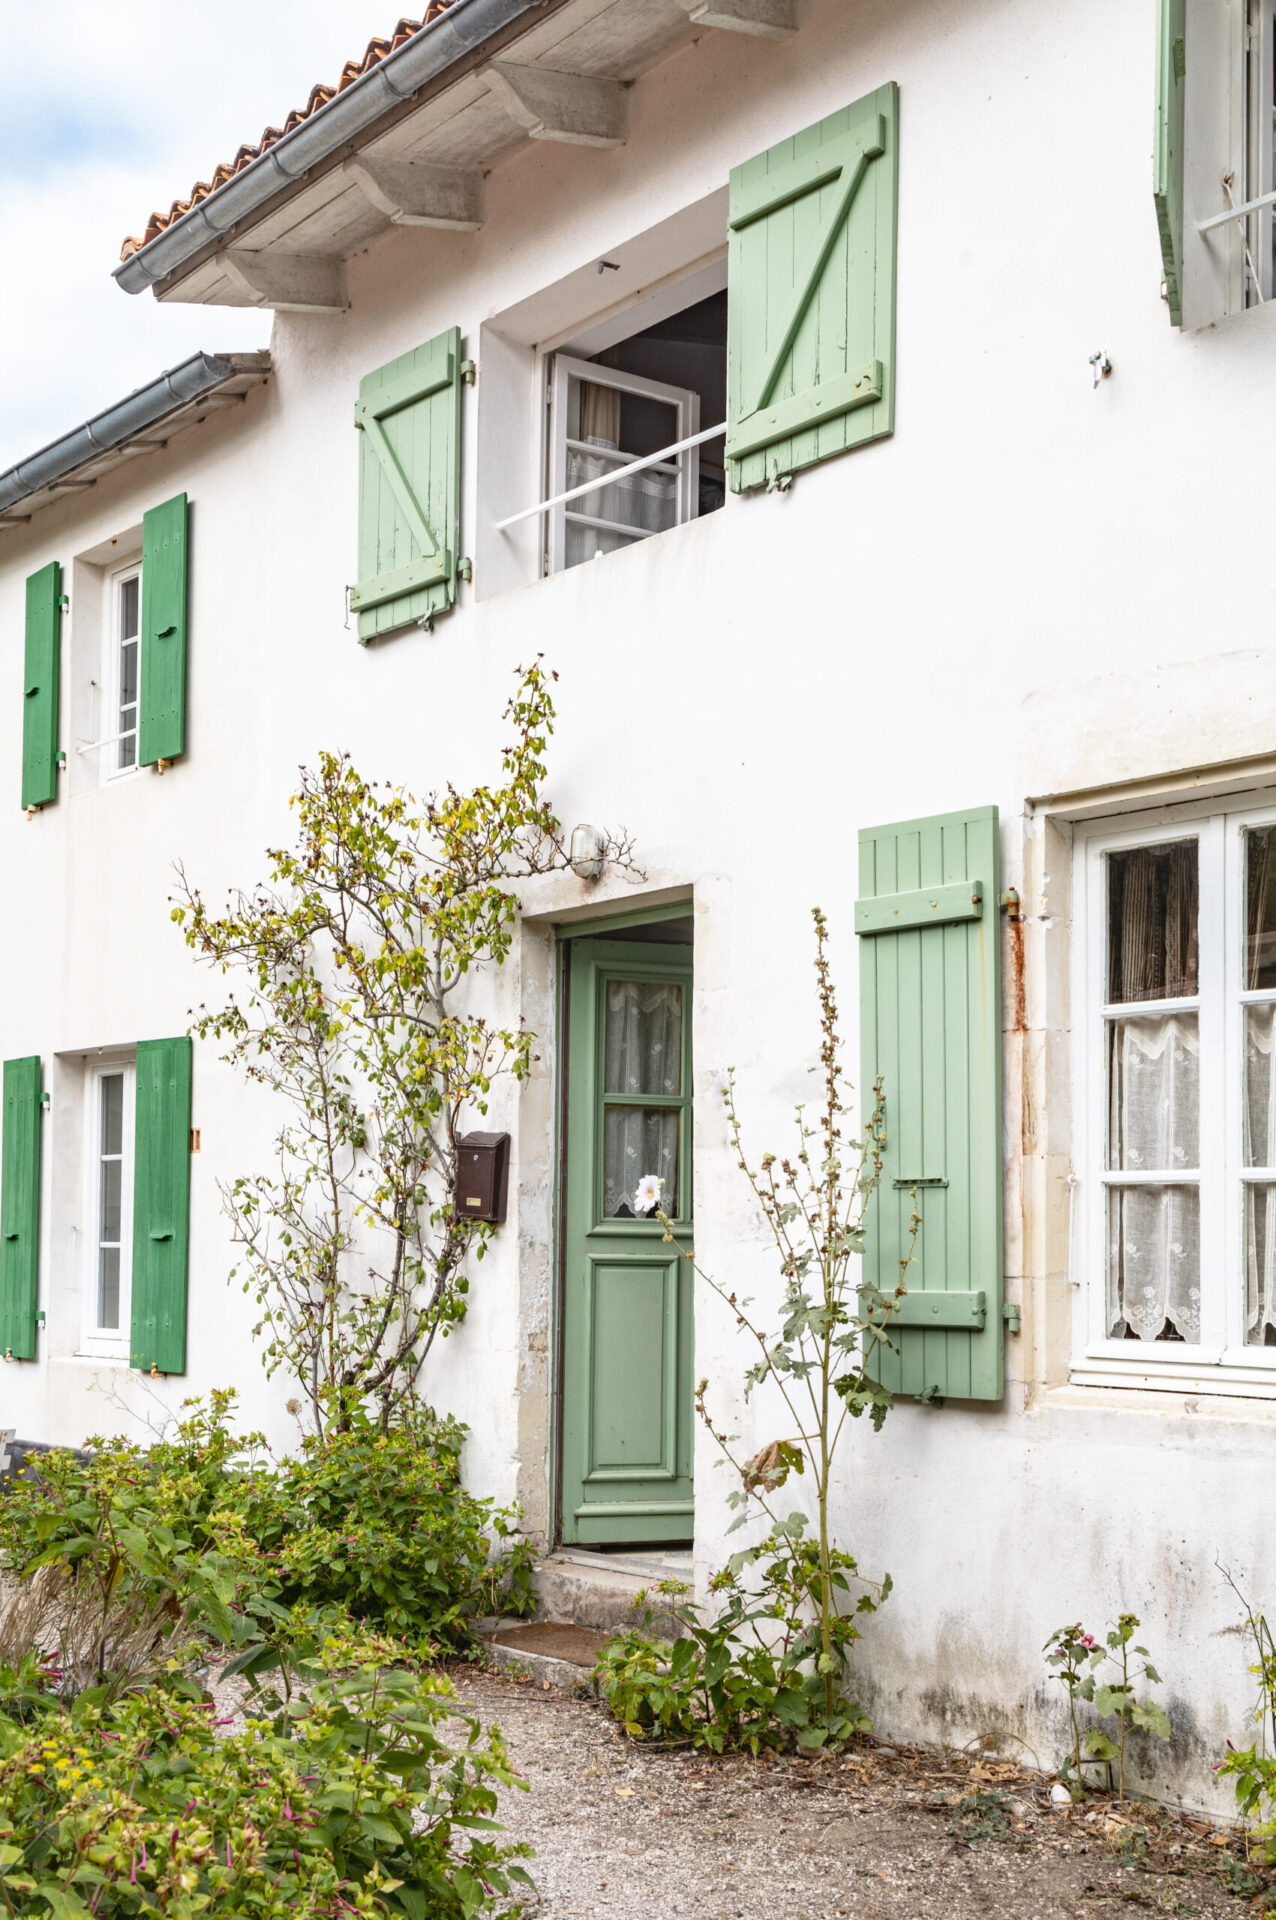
(558, 1655)
(598, 1591)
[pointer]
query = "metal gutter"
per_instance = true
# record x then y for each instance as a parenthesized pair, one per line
(104, 431)
(394, 80)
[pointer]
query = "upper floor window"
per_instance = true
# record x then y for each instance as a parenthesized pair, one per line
(120, 670)
(647, 394)
(1176, 932)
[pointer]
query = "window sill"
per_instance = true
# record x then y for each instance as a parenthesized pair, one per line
(1182, 1377)
(117, 1357)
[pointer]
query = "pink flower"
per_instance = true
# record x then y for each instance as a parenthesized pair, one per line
(1087, 1641)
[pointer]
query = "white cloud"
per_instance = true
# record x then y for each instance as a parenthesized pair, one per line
(119, 112)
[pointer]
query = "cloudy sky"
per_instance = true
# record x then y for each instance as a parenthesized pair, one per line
(119, 110)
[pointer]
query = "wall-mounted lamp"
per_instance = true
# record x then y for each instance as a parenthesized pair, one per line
(588, 852)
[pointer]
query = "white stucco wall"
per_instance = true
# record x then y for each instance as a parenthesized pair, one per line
(1033, 588)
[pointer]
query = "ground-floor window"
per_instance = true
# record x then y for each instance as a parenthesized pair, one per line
(1176, 947)
(108, 1204)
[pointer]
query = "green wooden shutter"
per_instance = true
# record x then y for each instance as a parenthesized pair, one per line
(40, 687)
(811, 293)
(409, 421)
(928, 917)
(162, 702)
(1167, 185)
(20, 1208)
(161, 1205)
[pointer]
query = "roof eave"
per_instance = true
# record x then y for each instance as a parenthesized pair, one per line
(443, 44)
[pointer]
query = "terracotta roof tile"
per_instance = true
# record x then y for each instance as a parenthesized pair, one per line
(373, 53)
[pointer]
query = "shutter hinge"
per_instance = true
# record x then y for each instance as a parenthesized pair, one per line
(44, 1099)
(64, 602)
(469, 373)
(39, 1316)
(1178, 55)
(162, 766)
(1011, 1317)
(1010, 904)
(465, 571)
(61, 756)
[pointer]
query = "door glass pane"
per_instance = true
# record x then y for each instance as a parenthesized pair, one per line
(1260, 1266)
(1154, 1094)
(642, 1051)
(1154, 1263)
(1260, 907)
(1152, 906)
(639, 1142)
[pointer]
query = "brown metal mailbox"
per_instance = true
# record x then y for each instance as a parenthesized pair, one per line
(482, 1176)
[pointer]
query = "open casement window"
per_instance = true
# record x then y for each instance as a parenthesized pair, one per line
(161, 1205)
(409, 421)
(1214, 184)
(602, 420)
(928, 920)
(40, 687)
(20, 1208)
(811, 286)
(109, 1098)
(1176, 1242)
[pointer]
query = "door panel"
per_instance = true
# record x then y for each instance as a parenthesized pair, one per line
(627, 1308)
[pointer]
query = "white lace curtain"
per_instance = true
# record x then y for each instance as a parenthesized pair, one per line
(642, 1054)
(1260, 1201)
(1154, 1252)
(647, 502)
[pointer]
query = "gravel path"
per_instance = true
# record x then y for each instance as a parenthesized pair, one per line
(620, 1830)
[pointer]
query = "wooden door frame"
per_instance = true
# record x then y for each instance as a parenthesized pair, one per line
(565, 935)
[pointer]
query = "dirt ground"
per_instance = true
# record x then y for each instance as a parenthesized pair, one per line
(623, 1830)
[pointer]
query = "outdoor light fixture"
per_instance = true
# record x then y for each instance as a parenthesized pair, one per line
(588, 849)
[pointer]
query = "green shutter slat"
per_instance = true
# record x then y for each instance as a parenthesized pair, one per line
(1167, 186)
(20, 1208)
(162, 699)
(161, 1205)
(40, 687)
(930, 1020)
(811, 293)
(409, 421)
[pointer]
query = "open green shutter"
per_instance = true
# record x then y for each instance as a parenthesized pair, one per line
(40, 687)
(1167, 185)
(811, 293)
(20, 1208)
(409, 421)
(161, 1205)
(162, 702)
(928, 917)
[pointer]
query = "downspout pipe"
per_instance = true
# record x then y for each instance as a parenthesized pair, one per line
(145, 408)
(428, 55)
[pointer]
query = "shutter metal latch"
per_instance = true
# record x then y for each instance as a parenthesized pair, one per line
(1011, 1317)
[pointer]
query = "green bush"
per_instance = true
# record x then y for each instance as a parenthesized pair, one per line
(377, 1524)
(381, 1526)
(349, 1802)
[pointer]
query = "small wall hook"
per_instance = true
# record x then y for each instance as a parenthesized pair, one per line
(1100, 365)
(609, 266)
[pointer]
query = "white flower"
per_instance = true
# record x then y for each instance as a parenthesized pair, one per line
(647, 1198)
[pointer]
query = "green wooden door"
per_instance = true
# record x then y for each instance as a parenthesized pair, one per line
(627, 1308)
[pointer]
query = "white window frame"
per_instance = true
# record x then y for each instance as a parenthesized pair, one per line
(1260, 147)
(107, 1342)
(110, 736)
(1221, 1362)
(563, 369)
